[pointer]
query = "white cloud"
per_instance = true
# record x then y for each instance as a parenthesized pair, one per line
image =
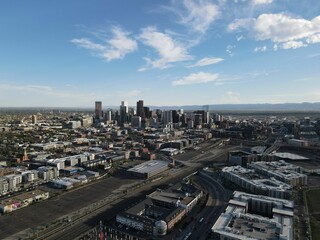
(196, 78)
(260, 49)
(314, 39)
(239, 24)
(119, 45)
(240, 38)
(169, 50)
(199, 14)
(88, 44)
(259, 2)
(275, 47)
(293, 45)
(27, 88)
(283, 28)
(229, 50)
(280, 28)
(206, 61)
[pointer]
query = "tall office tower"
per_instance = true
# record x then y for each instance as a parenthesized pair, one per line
(108, 115)
(147, 112)
(205, 115)
(175, 116)
(197, 119)
(123, 112)
(136, 121)
(34, 119)
(167, 117)
(140, 110)
(98, 109)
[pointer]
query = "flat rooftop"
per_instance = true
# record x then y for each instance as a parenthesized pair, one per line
(149, 166)
(290, 156)
(255, 229)
(22, 197)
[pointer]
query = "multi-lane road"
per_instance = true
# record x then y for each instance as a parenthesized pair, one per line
(218, 198)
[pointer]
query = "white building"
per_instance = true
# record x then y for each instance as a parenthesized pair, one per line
(251, 216)
(253, 182)
(282, 171)
(48, 173)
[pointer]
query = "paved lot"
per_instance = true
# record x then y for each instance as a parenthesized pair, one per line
(46, 211)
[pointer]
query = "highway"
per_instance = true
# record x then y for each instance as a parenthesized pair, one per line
(216, 204)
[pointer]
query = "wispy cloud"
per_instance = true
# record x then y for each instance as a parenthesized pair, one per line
(198, 14)
(206, 61)
(45, 92)
(281, 28)
(196, 78)
(168, 49)
(293, 45)
(116, 47)
(27, 88)
(260, 49)
(314, 55)
(260, 2)
(229, 50)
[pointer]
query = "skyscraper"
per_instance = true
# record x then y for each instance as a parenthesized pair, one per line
(140, 110)
(123, 112)
(167, 117)
(98, 110)
(34, 119)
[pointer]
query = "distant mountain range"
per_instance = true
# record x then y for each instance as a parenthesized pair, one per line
(215, 107)
(249, 107)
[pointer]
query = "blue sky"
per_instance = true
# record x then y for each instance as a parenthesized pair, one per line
(180, 52)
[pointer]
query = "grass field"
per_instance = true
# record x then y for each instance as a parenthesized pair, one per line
(313, 199)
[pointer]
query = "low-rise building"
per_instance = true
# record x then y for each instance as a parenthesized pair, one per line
(148, 169)
(22, 200)
(282, 171)
(161, 210)
(251, 216)
(48, 173)
(256, 183)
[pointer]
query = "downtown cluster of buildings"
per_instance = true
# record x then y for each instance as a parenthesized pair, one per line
(142, 117)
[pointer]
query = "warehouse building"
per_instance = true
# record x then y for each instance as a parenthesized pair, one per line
(148, 169)
(22, 200)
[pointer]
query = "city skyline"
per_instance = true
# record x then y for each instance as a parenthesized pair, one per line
(190, 52)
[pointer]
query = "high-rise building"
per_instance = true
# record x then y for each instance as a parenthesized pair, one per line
(197, 119)
(140, 109)
(98, 110)
(167, 117)
(205, 116)
(136, 121)
(124, 109)
(147, 112)
(175, 116)
(34, 119)
(108, 115)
